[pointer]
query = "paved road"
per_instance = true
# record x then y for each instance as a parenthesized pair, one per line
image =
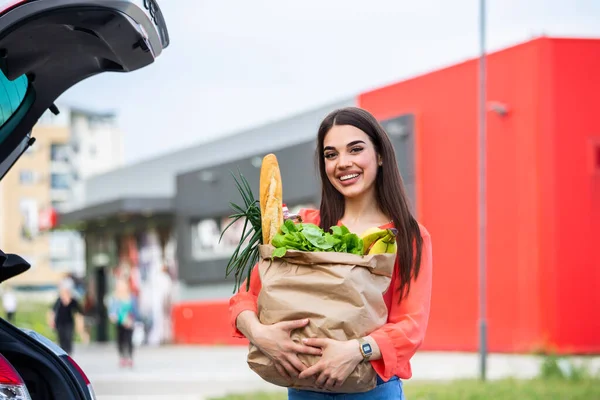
(182, 372)
(196, 372)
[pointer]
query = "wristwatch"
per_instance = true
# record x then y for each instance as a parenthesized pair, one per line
(365, 349)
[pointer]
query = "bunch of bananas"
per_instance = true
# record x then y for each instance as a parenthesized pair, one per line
(378, 241)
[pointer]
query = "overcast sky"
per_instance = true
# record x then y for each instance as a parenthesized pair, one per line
(235, 64)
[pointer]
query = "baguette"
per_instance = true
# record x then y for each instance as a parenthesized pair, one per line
(271, 198)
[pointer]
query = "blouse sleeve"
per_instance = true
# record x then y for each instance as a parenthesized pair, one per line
(244, 300)
(399, 339)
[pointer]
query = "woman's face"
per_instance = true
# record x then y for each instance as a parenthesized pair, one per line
(351, 161)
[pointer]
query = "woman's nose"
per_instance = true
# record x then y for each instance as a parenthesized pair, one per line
(344, 162)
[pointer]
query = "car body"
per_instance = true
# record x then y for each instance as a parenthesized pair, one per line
(46, 47)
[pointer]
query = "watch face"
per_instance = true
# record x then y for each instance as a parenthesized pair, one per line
(367, 348)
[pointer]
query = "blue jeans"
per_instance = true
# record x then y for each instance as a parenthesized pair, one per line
(390, 390)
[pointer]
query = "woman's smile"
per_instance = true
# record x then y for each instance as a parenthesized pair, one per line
(349, 178)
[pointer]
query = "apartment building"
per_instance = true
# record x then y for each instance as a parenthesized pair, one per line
(70, 147)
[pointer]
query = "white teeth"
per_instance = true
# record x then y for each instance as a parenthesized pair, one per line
(346, 177)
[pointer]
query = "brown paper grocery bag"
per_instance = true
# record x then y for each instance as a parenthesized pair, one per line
(341, 294)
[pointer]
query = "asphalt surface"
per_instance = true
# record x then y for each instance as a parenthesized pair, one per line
(170, 372)
(199, 373)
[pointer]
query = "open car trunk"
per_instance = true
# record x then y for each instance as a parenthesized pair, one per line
(47, 46)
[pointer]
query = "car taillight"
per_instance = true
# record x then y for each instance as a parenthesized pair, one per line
(84, 376)
(10, 4)
(12, 386)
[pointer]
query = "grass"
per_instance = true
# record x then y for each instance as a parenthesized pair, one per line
(33, 316)
(534, 389)
(506, 389)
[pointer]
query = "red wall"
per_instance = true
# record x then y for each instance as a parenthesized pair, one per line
(543, 200)
(574, 183)
(532, 230)
(445, 156)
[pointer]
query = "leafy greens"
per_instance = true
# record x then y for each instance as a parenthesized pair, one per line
(309, 237)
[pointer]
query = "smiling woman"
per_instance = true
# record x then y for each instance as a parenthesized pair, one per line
(361, 189)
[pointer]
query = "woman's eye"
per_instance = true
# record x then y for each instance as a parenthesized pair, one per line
(356, 149)
(329, 155)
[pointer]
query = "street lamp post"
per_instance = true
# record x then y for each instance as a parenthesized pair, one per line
(482, 195)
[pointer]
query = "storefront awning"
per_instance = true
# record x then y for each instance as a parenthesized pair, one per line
(120, 209)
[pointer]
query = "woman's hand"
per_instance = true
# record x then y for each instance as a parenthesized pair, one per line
(339, 359)
(275, 342)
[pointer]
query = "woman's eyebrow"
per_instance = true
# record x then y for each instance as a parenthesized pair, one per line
(348, 145)
(355, 143)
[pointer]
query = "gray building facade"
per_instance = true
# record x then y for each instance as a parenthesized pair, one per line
(203, 197)
(133, 180)
(194, 187)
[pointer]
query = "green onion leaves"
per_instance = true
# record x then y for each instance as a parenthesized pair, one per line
(244, 257)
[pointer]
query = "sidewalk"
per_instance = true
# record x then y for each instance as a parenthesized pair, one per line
(194, 372)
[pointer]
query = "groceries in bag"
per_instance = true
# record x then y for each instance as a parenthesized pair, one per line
(336, 279)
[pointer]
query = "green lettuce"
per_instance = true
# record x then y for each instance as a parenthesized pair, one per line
(309, 237)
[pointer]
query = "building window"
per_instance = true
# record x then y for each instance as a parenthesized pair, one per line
(205, 235)
(59, 181)
(93, 151)
(29, 218)
(59, 152)
(61, 247)
(205, 239)
(26, 177)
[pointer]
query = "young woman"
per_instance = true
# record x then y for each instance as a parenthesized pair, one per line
(123, 313)
(361, 188)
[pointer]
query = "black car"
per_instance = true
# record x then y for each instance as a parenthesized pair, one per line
(46, 47)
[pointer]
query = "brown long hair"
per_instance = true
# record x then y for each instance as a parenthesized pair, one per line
(389, 188)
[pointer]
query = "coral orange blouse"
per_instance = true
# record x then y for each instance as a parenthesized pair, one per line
(399, 338)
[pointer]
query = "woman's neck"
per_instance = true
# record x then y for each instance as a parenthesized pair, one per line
(362, 209)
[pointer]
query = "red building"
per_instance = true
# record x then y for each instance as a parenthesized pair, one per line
(543, 199)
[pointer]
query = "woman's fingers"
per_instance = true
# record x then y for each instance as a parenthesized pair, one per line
(281, 370)
(303, 349)
(332, 384)
(296, 363)
(322, 379)
(290, 369)
(289, 326)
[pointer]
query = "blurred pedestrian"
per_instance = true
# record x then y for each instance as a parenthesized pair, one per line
(123, 313)
(9, 302)
(65, 316)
